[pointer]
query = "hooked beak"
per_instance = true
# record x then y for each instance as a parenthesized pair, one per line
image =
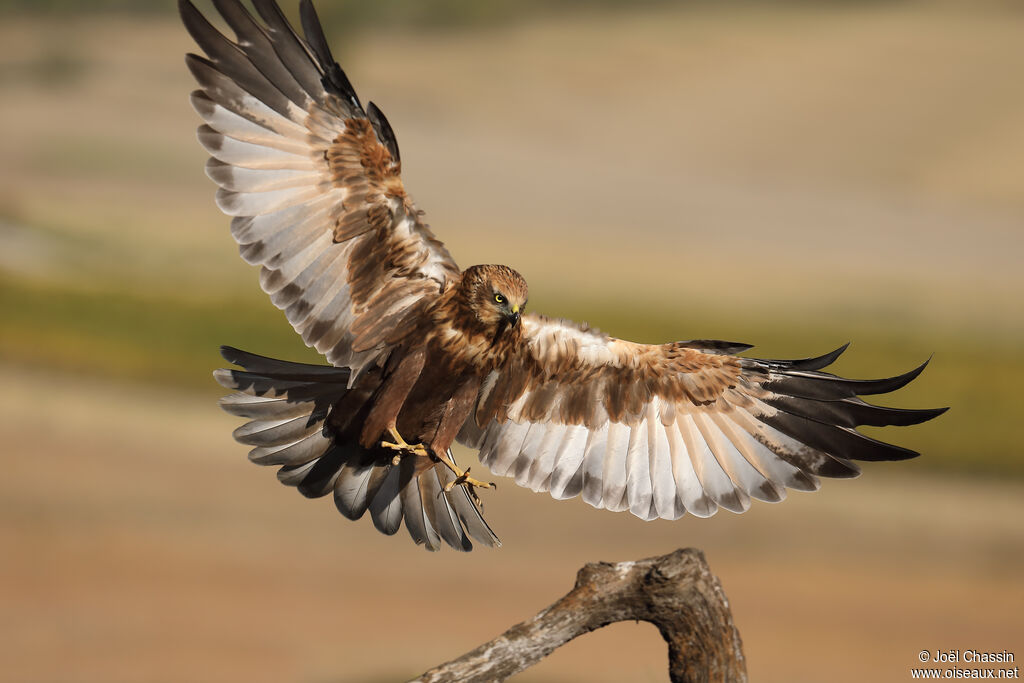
(513, 319)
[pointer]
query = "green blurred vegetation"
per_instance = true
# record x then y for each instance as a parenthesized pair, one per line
(112, 332)
(133, 335)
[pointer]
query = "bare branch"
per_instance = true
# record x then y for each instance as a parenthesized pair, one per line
(675, 592)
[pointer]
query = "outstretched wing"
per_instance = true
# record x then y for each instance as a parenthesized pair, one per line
(662, 430)
(312, 181)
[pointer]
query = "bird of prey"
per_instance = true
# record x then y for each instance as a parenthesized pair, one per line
(424, 354)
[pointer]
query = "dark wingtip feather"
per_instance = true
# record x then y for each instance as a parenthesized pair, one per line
(383, 129)
(233, 355)
(195, 23)
(903, 417)
(840, 442)
(818, 362)
(334, 78)
(884, 386)
(823, 386)
(852, 412)
(314, 33)
(185, 7)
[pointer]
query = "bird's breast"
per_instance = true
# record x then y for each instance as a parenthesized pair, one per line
(467, 351)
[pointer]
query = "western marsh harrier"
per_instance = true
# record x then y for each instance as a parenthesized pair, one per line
(424, 354)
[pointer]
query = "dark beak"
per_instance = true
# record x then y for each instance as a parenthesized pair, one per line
(513, 319)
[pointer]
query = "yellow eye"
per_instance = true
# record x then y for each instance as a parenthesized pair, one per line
(498, 298)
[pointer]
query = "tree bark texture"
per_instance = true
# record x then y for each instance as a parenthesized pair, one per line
(675, 592)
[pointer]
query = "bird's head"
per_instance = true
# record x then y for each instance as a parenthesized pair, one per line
(496, 294)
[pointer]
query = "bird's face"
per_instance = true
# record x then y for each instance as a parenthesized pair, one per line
(498, 296)
(508, 306)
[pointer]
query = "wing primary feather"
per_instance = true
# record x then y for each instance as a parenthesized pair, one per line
(838, 441)
(798, 454)
(815, 363)
(334, 79)
(852, 412)
(258, 47)
(281, 117)
(291, 49)
(228, 59)
(823, 386)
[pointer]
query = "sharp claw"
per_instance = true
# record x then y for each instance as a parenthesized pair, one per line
(400, 445)
(471, 486)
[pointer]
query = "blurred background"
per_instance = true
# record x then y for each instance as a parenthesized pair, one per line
(792, 175)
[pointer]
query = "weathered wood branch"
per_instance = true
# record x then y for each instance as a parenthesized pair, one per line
(675, 592)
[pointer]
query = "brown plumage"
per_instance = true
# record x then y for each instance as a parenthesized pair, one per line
(424, 354)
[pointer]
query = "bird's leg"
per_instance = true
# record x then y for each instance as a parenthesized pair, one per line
(462, 478)
(400, 445)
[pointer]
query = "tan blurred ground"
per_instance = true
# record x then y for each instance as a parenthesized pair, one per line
(668, 159)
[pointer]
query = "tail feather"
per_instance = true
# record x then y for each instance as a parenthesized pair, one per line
(441, 514)
(289, 406)
(293, 454)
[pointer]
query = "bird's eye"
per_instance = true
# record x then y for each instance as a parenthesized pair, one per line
(498, 298)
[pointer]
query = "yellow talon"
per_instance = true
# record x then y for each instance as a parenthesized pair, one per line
(399, 444)
(464, 479)
(461, 478)
(471, 486)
